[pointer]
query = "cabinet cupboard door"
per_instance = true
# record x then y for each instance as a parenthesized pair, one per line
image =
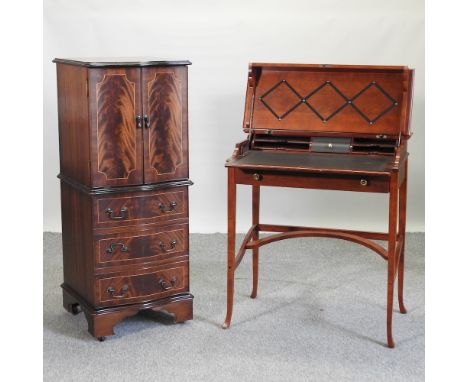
(116, 140)
(164, 95)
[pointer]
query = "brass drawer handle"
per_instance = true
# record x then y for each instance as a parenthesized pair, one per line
(164, 209)
(257, 176)
(165, 285)
(163, 246)
(111, 248)
(363, 182)
(123, 291)
(123, 213)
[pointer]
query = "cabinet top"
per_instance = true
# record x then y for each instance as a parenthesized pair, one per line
(100, 62)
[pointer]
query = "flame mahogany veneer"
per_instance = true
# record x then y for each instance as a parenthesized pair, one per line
(124, 178)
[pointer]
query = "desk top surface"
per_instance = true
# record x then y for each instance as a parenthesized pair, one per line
(314, 162)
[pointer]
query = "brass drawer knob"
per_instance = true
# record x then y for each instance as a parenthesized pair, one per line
(363, 182)
(257, 176)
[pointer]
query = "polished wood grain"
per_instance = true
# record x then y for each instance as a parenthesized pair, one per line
(116, 126)
(367, 100)
(231, 245)
(78, 264)
(288, 228)
(280, 152)
(110, 62)
(117, 142)
(255, 251)
(124, 209)
(328, 67)
(74, 136)
(164, 104)
(125, 234)
(148, 284)
(394, 254)
(403, 192)
(319, 181)
(141, 246)
(101, 322)
(123, 189)
(165, 112)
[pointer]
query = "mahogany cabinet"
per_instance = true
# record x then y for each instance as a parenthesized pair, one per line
(124, 179)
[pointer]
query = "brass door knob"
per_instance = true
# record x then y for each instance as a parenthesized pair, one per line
(363, 182)
(257, 176)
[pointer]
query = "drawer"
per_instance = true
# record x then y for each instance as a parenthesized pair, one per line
(344, 182)
(140, 207)
(145, 285)
(156, 244)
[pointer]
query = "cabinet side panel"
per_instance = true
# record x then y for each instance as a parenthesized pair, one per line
(73, 122)
(78, 261)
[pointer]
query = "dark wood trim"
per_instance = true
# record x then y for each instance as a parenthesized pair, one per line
(115, 190)
(401, 237)
(231, 245)
(126, 62)
(310, 232)
(379, 110)
(247, 171)
(102, 321)
(301, 133)
(288, 154)
(255, 251)
(330, 67)
(125, 238)
(285, 228)
(244, 246)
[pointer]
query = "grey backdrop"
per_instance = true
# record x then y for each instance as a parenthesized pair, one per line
(221, 38)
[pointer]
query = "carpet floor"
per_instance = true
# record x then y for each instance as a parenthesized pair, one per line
(320, 315)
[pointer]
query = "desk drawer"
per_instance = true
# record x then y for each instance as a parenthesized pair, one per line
(344, 182)
(140, 208)
(141, 246)
(139, 286)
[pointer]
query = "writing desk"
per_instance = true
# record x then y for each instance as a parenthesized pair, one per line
(324, 127)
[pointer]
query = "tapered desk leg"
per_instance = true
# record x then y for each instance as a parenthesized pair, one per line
(402, 234)
(392, 239)
(231, 245)
(255, 220)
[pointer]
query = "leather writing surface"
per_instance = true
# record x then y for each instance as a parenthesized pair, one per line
(312, 162)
